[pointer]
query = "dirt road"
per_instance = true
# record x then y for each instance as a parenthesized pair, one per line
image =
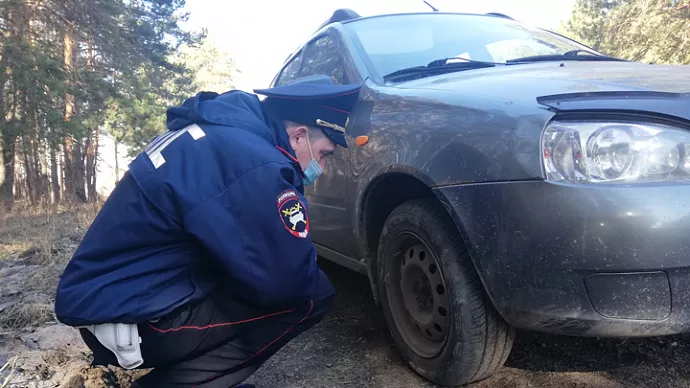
(350, 348)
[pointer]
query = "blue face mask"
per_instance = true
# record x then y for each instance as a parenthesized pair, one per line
(312, 172)
(313, 169)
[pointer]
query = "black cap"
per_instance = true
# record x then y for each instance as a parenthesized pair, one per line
(314, 101)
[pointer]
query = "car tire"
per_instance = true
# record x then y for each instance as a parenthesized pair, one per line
(466, 339)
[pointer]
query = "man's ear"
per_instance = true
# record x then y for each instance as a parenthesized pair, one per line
(297, 134)
(301, 131)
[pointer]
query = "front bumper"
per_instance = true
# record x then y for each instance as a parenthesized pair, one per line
(580, 260)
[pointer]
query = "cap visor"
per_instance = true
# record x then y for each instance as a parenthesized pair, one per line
(338, 138)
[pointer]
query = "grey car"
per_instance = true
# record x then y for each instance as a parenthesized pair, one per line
(501, 176)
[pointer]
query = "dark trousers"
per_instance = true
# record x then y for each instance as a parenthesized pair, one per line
(217, 342)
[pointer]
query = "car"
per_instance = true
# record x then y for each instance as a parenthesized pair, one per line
(500, 177)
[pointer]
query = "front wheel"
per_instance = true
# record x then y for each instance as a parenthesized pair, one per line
(433, 302)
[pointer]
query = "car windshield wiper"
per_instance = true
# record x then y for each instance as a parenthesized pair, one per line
(439, 66)
(444, 62)
(572, 55)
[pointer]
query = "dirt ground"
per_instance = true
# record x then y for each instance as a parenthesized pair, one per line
(350, 348)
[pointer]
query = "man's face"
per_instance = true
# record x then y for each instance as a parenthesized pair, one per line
(321, 148)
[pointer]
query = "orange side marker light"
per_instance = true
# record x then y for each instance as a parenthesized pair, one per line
(362, 140)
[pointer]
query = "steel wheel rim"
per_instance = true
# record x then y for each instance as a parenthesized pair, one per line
(417, 296)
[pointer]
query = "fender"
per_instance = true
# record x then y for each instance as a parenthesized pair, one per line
(369, 180)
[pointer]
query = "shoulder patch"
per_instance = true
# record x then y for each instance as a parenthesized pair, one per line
(293, 213)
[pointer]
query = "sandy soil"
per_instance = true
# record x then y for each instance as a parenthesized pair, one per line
(358, 352)
(350, 348)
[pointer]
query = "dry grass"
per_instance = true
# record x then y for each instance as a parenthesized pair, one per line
(40, 232)
(9, 368)
(24, 315)
(38, 241)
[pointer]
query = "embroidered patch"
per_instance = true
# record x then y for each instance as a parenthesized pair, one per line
(293, 213)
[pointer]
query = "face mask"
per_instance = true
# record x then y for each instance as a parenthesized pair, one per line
(313, 169)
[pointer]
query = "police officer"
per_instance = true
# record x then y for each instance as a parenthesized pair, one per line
(200, 263)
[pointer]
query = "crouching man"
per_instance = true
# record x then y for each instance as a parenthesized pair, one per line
(200, 263)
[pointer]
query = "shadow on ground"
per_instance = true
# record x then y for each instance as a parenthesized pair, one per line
(352, 348)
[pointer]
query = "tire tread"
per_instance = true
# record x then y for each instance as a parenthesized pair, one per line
(486, 339)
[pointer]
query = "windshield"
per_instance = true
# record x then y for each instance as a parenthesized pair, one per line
(398, 42)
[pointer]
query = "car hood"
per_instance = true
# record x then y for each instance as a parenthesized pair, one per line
(530, 81)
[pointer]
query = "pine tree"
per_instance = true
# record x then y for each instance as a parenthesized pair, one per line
(71, 69)
(639, 30)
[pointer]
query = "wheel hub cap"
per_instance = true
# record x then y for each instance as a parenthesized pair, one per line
(417, 293)
(419, 299)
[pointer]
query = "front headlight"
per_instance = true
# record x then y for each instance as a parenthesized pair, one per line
(615, 152)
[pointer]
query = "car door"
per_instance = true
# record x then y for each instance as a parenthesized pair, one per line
(330, 224)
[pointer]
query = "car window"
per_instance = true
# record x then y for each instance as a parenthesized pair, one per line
(291, 71)
(398, 42)
(322, 57)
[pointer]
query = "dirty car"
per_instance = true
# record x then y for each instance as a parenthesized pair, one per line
(502, 176)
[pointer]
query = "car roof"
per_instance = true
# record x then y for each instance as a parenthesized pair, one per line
(346, 15)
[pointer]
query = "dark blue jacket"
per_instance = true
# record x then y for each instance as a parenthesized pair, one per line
(217, 198)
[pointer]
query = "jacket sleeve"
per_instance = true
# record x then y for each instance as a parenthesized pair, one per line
(258, 229)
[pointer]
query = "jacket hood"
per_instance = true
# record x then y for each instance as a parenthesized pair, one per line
(235, 109)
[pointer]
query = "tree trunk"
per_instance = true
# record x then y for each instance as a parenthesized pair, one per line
(79, 178)
(8, 137)
(39, 166)
(43, 164)
(2, 168)
(63, 175)
(8, 150)
(91, 143)
(29, 173)
(70, 184)
(54, 177)
(91, 162)
(117, 164)
(67, 174)
(34, 149)
(19, 179)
